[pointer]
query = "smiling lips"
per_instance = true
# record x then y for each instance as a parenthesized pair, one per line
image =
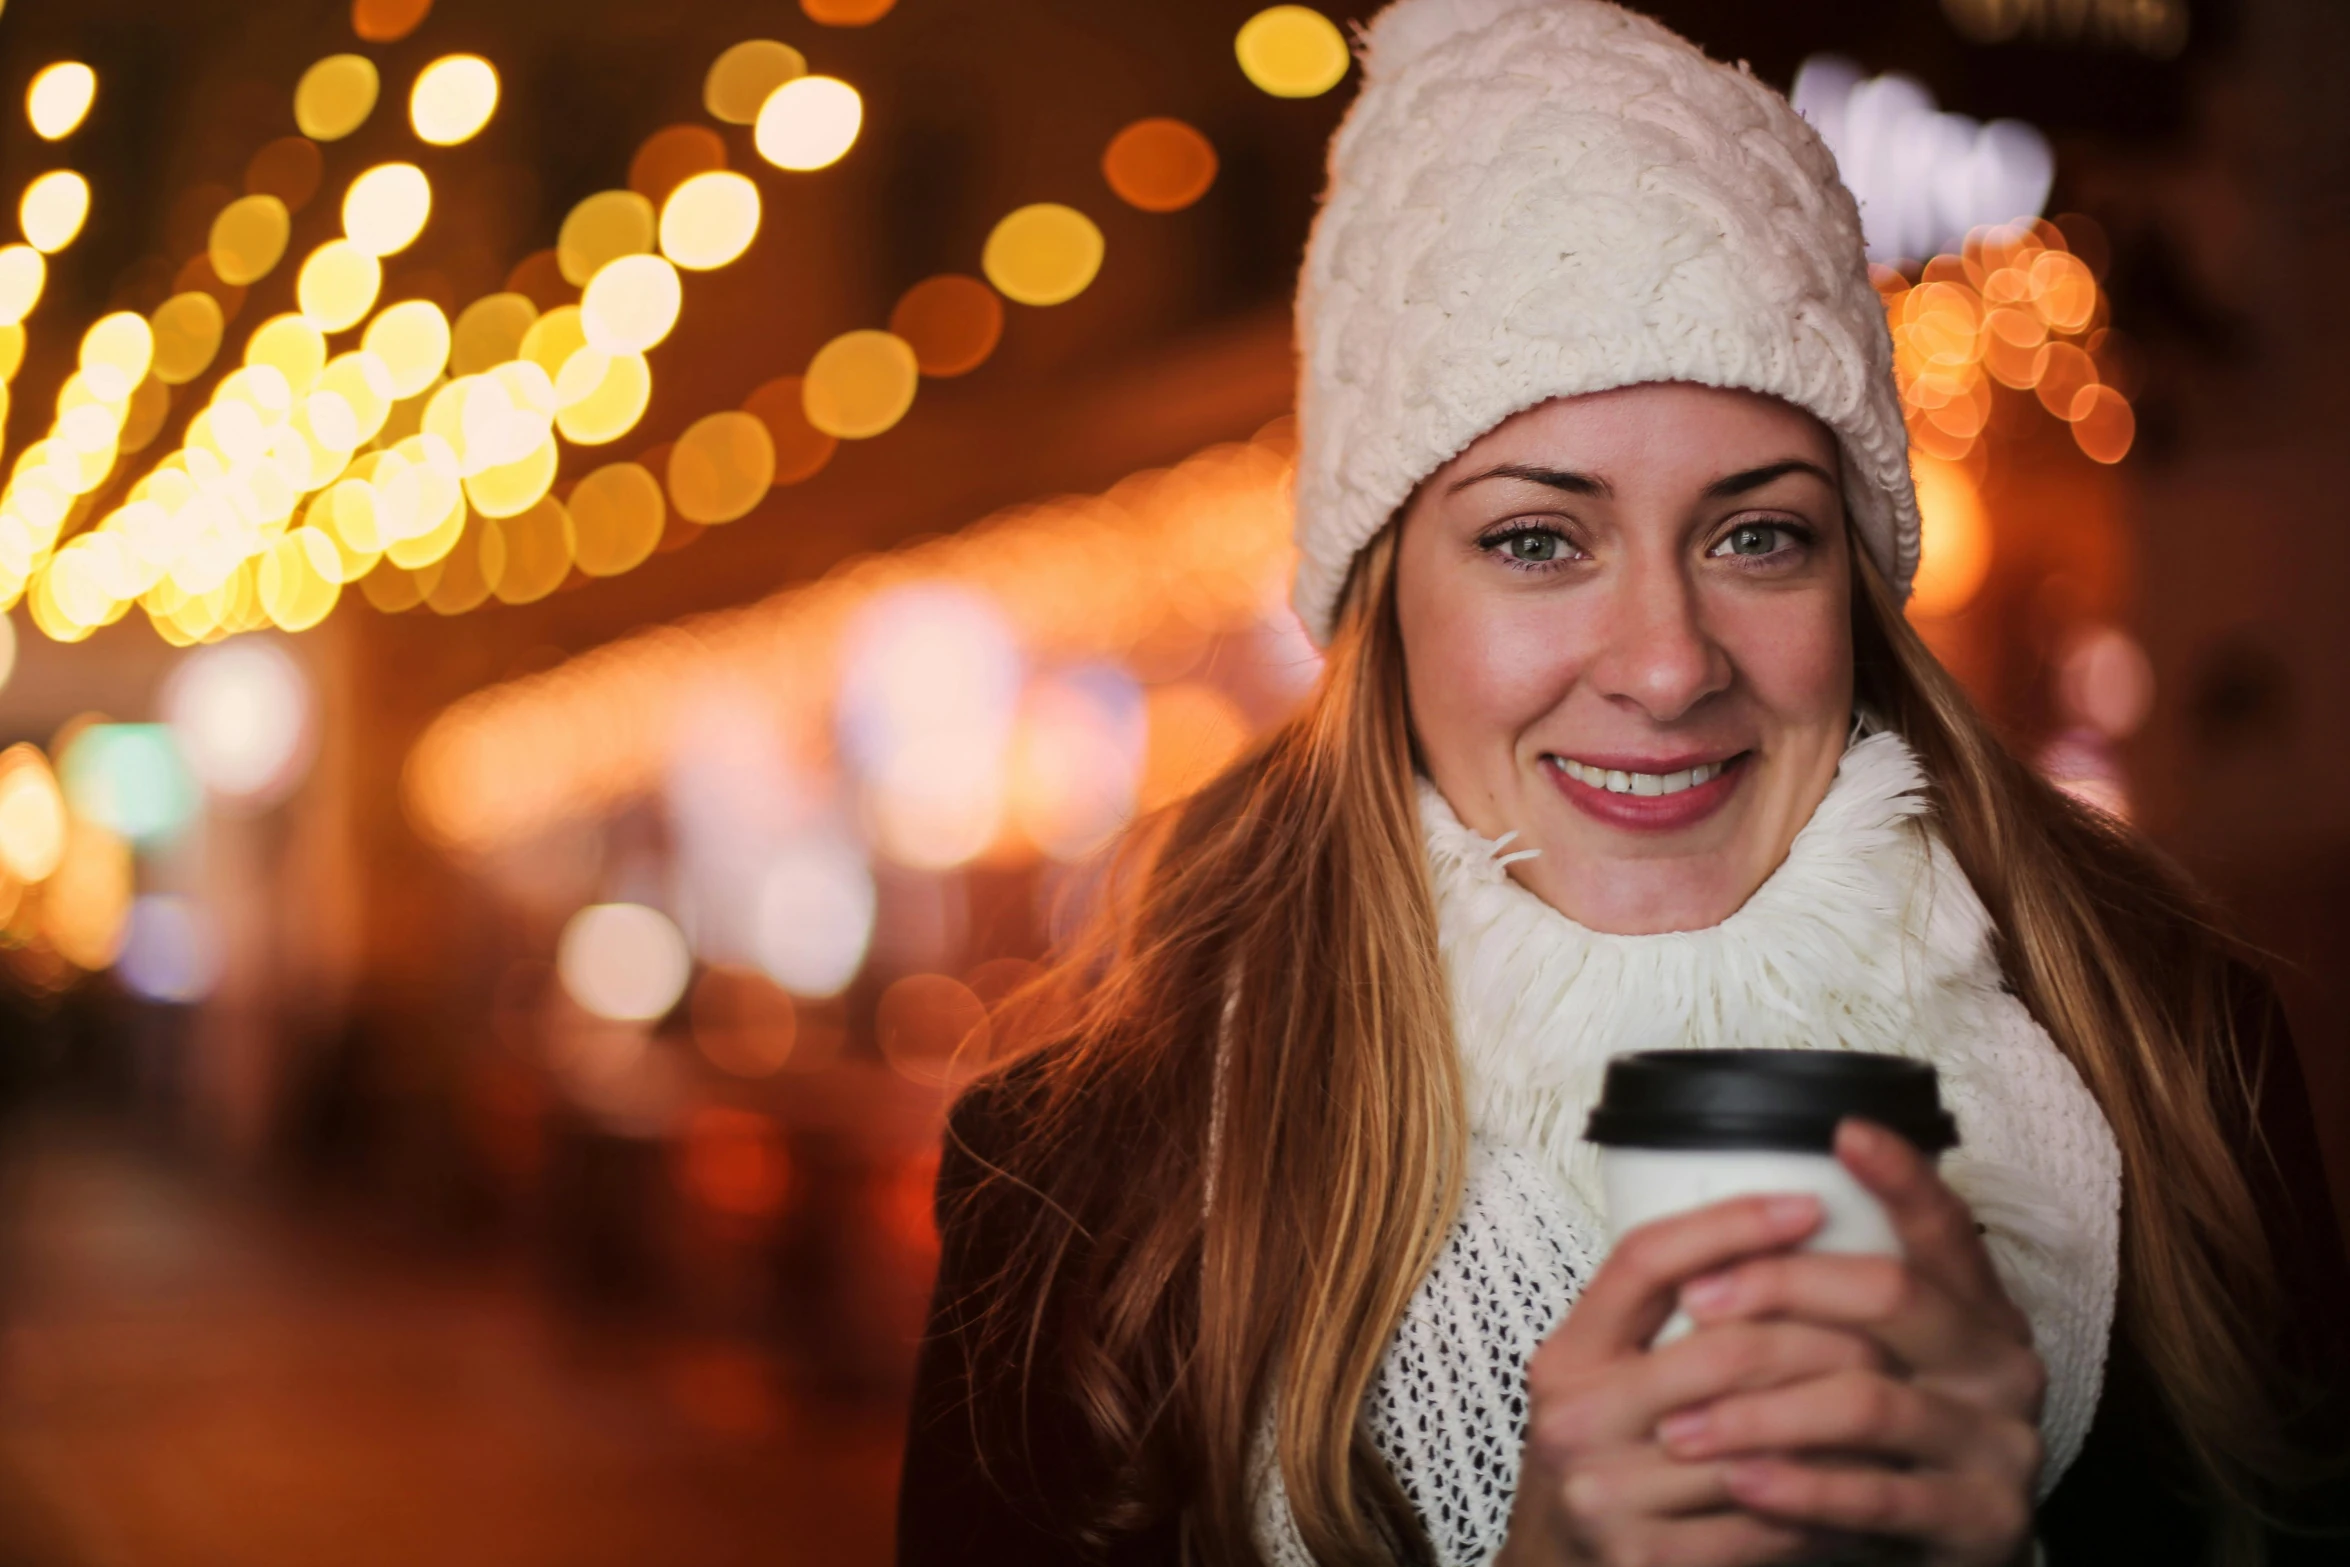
(1674, 794)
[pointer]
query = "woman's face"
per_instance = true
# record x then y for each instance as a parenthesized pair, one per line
(1626, 622)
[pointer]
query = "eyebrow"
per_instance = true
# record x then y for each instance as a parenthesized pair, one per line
(1591, 484)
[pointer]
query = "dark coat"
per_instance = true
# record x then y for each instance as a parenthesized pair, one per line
(2124, 1500)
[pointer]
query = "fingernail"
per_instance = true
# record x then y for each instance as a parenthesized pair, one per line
(1792, 1208)
(1706, 1294)
(1684, 1428)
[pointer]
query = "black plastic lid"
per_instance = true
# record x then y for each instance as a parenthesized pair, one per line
(1784, 1099)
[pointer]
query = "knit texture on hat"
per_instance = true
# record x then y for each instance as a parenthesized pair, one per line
(1536, 198)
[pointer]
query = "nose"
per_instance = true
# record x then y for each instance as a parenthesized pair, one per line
(1657, 655)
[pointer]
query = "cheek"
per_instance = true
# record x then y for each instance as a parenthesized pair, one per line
(1483, 666)
(1795, 656)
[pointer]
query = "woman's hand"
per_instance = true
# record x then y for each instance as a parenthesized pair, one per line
(1957, 1408)
(1594, 1485)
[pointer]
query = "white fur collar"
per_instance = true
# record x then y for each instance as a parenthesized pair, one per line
(1867, 937)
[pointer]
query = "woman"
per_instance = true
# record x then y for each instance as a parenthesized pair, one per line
(1280, 1245)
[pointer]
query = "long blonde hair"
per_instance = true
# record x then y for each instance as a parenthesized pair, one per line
(1224, 1224)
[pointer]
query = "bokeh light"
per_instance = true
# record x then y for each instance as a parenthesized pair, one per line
(810, 122)
(1159, 165)
(288, 168)
(188, 329)
(932, 1030)
(2103, 423)
(299, 580)
(171, 950)
(801, 450)
(453, 99)
(631, 304)
(709, 220)
(1954, 551)
(53, 209)
(387, 21)
(387, 207)
(616, 519)
(248, 238)
(489, 332)
(930, 681)
(1291, 51)
(847, 13)
(951, 322)
(623, 961)
(741, 79)
(673, 155)
(241, 714)
(743, 1022)
(7, 646)
(553, 338)
(860, 384)
(337, 285)
(22, 274)
(599, 397)
(130, 779)
(600, 230)
(88, 899)
(720, 468)
(335, 96)
(116, 354)
(59, 99)
(291, 345)
(815, 915)
(733, 1162)
(32, 815)
(1077, 759)
(534, 550)
(1042, 254)
(2105, 681)
(1193, 731)
(412, 338)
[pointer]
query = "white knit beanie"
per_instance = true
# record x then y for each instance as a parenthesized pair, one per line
(1531, 199)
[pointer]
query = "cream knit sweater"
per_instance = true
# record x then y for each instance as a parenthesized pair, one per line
(1868, 937)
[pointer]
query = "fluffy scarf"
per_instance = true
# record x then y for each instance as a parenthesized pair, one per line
(1867, 937)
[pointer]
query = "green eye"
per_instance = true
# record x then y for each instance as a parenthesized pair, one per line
(1752, 539)
(1533, 546)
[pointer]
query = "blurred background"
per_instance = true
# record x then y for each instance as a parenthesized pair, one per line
(584, 584)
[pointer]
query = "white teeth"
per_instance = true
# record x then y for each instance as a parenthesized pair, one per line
(1617, 781)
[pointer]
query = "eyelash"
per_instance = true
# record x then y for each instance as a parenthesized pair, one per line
(1796, 534)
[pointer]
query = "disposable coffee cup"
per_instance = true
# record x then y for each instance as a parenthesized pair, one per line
(1679, 1129)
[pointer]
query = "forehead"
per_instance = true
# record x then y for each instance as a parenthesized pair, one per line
(1670, 429)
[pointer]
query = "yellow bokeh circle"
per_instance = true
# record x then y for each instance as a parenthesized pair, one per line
(536, 551)
(59, 99)
(248, 238)
(412, 338)
(386, 208)
(337, 285)
(808, 123)
(335, 96)
(600, 230)
(53, 209)
(1292, 51)
(512, 488)
(116, 354)
(741, 78)
(453, 99)
(721, 467)
(860, 384)
(293, 346)
(22, 274)
(709, 219)
(300, 579)
(553, 338)
(489, 332)
(631, 305)
(599, 397)
(1042, 254)
(188, 329)
(616, 519)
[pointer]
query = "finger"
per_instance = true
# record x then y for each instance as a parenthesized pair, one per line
(1910, 1313)
(1631, 1294)
(1849, 1411)
(1961, 1514)
(1705, 1365)
(1641, 1481)
(1936, 1227)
